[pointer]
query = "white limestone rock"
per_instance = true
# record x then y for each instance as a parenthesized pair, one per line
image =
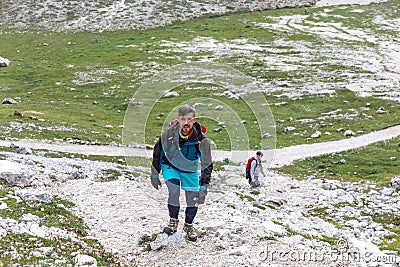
(349, 133)
(317, 134)
(395, 182)
(15, 174)
(31, 194)
(164, 240)
(85, 260)
(4, 62)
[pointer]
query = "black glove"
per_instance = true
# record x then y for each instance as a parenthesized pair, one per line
(201, 195)
(155, 181)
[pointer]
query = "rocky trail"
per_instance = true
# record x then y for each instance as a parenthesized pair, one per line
(271, 226)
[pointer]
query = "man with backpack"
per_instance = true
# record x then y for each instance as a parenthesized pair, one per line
(176, 155)
(254, 168)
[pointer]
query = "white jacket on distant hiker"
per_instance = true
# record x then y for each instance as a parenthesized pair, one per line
(256, 168)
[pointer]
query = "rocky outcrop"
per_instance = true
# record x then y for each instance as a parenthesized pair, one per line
(34, 195)
(15, 174)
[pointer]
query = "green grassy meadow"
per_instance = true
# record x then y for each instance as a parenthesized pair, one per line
(81, 82)
(78, 85)
(377, 163)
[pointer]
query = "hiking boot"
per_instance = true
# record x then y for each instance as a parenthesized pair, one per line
(255, 184)
(172, 226)
(190, 232)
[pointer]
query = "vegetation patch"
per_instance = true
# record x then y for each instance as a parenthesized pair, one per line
(391, 222)
(242, 197)
(378, 162)
(330, 240)
(321, 213)
(292, 232)
(261, 207)
(146, 240)
(19, 248)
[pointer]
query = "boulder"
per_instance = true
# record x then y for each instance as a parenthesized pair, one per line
(349, 133)
(395, 182)
(328, 186)
(171, 94)
(15, 174)
(23, 150)
(16, 179)
(4, 62)
(3, 232)
(8, 101)
(380, 110)
(3, 205)
(387, 191)
(34, 195)
(77, 175)
(85, 260)
(42, 252)
(289, 129)
(29, 218)
(14, 145)
(317, 134)
(164, 240)
(273, 228)
(266, 135)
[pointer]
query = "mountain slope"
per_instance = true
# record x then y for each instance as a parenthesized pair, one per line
(101, 15)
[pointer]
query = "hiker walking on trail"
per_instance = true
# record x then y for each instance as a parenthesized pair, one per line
(254, 168)
(176, 156)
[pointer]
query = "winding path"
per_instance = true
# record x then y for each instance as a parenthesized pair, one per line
(280, 157)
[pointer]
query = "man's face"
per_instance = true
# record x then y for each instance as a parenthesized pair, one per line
(259, 157)
(186, 123)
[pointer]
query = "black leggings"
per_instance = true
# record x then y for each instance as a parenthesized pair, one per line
(174, 190)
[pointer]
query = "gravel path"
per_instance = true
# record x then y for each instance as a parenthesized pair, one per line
(281, 157)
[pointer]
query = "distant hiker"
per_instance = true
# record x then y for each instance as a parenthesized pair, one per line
(254, 168)
(176, 155)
